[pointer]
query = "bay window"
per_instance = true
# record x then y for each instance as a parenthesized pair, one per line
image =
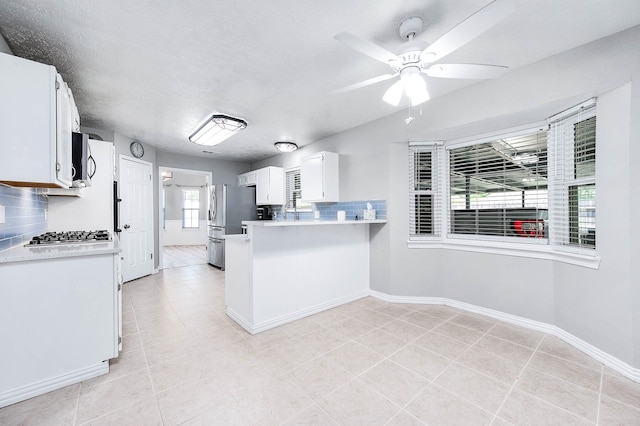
(528, 192)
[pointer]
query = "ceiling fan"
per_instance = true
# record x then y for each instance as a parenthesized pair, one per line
(416, 56)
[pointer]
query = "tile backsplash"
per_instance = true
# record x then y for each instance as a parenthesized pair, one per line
(329, 211)
(24, 215)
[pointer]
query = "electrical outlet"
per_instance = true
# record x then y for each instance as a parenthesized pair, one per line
(2, 217)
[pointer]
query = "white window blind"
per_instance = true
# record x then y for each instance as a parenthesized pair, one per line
(190, 208)
(572, 175)
(293, 192)
(499, 188)
(424, 192)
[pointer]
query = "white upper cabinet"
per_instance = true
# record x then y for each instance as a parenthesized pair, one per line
(247, 179)
(319, 178)
(36, 110)
(269, 186)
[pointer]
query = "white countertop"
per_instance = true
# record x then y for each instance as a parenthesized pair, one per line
(22, 253)
(235, 237)
(309, 222)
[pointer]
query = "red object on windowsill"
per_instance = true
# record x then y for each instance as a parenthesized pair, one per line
(531, 228)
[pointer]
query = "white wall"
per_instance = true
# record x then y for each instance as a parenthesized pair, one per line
(4, 47)
(223, 171)
(174, 234)
(634, 207)
(601, 307)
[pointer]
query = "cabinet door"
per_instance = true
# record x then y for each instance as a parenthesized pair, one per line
(247, 179)
(118, 281)
(262, 186)
(64, 120)
(312, 178)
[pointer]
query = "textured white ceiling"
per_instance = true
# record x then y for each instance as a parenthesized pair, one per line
(153, 70)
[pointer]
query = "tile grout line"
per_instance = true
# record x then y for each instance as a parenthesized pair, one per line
(357, 377)
(75, 413)
(106, 383)
(555, 377)
(600, 395)
(515, 382)
(146, 362)
(453, 361)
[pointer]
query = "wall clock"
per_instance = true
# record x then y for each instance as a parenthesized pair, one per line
(137, 150)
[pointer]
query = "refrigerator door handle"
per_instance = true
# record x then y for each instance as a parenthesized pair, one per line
(214, 202)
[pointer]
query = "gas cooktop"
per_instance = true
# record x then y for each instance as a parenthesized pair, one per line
(70, 237)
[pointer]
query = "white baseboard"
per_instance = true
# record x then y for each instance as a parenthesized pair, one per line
(275, 322)
(594, 352)
(39, 388)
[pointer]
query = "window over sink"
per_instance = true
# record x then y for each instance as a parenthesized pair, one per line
(293, 191)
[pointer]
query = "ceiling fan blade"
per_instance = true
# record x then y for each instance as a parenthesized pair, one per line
(364, 83)
(368, 48)
(470, 71)
(468, 29)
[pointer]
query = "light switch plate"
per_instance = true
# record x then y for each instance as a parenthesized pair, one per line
(2, 218)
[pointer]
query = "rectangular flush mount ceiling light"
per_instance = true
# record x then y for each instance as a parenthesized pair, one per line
(216, 129)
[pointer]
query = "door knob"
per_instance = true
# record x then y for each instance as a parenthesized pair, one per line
(127, 227)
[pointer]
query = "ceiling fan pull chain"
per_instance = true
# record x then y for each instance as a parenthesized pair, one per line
(410, 118)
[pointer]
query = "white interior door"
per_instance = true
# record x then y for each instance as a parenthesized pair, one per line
(136, 218)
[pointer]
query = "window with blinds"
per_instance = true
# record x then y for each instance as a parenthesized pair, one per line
(572, 147)
(293, 192)
(499, 188)
(424, 194)
(190, 208)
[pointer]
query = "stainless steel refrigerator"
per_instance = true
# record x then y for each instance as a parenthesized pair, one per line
(228, 207)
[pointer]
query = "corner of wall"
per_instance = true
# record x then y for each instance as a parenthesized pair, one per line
(4, 47)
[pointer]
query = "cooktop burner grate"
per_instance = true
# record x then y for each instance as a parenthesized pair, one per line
(70, 237)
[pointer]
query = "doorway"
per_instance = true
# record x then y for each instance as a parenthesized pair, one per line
(183, 211)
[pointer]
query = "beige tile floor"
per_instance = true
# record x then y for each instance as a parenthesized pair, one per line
(177, 256)
(368, 362)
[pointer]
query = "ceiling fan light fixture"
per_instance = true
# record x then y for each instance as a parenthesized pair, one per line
(217, 129)
(413, 81)
(283, 146)
(394, 93)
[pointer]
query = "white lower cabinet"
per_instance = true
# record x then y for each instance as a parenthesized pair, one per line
(60, 323)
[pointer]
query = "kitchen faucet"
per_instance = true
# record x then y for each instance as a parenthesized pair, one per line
(295, 210)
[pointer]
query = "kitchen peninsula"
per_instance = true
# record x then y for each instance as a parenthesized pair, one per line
(281, 271)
